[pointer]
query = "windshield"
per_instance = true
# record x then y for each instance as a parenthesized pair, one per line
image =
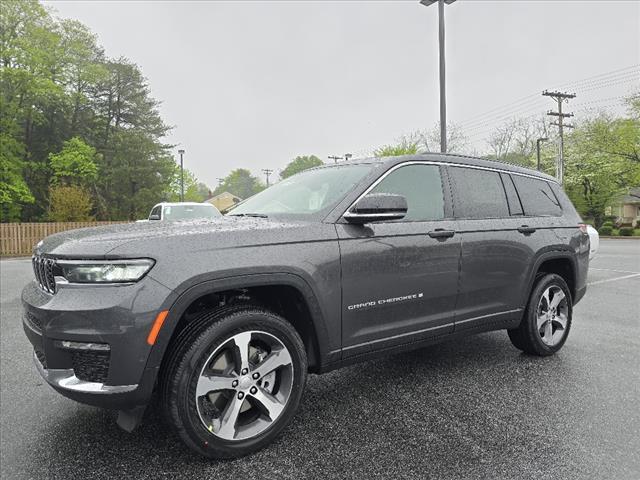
(186, 212)
(307, 193)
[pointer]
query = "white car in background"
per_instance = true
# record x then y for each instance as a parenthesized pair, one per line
(594, 241)
(176, 211)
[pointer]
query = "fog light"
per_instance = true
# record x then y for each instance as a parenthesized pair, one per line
(68, 345)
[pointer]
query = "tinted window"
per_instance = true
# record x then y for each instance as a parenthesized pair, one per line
(515, 208)
(479, 193)
(537, 197)
(421, 185)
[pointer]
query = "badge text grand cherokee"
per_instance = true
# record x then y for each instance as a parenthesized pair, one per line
(224, 318)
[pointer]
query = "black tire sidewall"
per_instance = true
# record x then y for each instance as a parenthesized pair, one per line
(192, 360)
(531, 328)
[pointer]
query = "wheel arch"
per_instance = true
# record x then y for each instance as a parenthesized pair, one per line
(561, 262)
(314, 333)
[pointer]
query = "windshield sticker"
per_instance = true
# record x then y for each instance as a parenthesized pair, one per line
(385, 301)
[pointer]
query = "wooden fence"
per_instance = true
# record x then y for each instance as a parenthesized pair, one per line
(18, 239)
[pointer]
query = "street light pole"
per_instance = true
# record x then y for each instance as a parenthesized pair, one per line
(544, 139)
(443, 96)
(181, 152)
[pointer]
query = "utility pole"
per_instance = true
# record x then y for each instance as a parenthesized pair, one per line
(443, 96)
(335, 158)
(267, 172)
(181, 152)
(560, 97)
(544, 139)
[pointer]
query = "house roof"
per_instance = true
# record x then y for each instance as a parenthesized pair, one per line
(632, 197)
(223, 194)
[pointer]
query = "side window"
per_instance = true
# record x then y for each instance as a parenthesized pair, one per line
(537, 197)
(155, 210)
(478, 193)
(421, 185)
(515, 208)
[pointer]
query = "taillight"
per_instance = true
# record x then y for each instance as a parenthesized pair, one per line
(583, 228)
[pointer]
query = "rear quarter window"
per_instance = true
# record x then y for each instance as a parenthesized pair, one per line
(478, 193)
(537, 198)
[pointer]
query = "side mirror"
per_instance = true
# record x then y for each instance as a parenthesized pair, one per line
(154, 217)
(377, 207)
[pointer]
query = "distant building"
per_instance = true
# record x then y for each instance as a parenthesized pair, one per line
(627, 208)
(223, 201)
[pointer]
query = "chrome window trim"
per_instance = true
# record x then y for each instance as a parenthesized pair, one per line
(449, 164)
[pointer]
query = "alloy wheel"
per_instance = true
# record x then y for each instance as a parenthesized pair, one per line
(244, 385)
(552, 315)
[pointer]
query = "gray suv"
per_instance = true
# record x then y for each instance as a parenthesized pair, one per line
(223, 319)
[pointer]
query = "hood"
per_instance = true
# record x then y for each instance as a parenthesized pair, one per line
(114, 240)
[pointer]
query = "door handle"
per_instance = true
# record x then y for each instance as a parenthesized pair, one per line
(441, 233)
(526, 229)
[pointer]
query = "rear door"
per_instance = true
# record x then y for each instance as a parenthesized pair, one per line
(496, 249)
(398, 283)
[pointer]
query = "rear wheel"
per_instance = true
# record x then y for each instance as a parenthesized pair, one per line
(233, 380)
(547, 319)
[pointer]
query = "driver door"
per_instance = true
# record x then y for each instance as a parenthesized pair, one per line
(400, 277)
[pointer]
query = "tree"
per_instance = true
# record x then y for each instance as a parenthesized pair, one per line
(403, 147)
(75, 164)
(299, 164)
(192, 189)
(600, 163)
(240, 183)
(426, 141)
(58, 86)
(70, 203)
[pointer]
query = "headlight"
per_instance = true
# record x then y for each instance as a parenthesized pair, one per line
(104, 271)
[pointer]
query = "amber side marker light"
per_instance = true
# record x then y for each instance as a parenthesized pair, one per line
(157, 325)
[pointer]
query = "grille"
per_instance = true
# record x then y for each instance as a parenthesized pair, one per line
(91, 366)
(43, 270)
(41, 358)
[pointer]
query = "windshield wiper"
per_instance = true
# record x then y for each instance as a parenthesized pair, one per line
(258, 215)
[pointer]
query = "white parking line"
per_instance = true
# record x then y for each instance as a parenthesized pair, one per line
(612, 270)
(613, 279)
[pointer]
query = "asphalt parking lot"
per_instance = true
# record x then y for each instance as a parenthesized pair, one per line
(476, 408)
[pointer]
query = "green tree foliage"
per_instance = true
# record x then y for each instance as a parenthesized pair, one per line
(192, 189)
(70, 203)
(74, 164)
(63, 101)
(403, 147)
(299, 164)
(240, 183)
(601, 163)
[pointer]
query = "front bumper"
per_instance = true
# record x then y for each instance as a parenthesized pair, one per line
(117, 318)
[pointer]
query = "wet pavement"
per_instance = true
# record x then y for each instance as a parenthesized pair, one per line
(475, 408)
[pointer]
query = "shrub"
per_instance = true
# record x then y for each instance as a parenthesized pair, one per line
(636, 232)
(605, 230)
(608, 224)
(69, 203)
(626, 231)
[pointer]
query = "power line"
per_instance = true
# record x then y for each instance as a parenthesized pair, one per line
(521, 102)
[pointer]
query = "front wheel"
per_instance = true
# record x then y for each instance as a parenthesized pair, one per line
(547, 319)
(233, 380)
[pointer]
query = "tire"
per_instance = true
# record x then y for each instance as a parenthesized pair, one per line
(241, 411)
(547, 319)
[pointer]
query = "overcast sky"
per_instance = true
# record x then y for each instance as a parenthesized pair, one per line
(253, 84)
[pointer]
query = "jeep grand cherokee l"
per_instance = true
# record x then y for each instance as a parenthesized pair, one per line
(224, 318)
